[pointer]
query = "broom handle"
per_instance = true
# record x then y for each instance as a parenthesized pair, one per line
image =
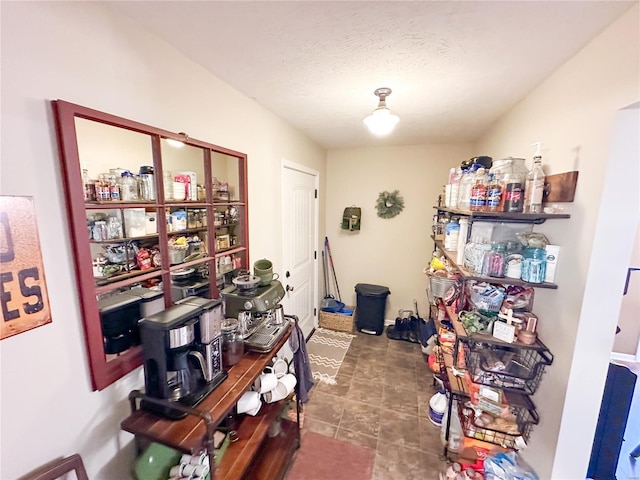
(333, 268)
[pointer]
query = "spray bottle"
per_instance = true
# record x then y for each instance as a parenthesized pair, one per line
(534, 187)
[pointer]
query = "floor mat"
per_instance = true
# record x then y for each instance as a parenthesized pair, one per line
(326, 350)
(325, 458)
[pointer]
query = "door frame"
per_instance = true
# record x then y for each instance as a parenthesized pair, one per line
(287, 164)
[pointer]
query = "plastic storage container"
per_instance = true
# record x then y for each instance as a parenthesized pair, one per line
(371, 303)
(510, 173)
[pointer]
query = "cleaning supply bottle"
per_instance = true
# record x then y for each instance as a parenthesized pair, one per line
(534, 186)
(437, 407)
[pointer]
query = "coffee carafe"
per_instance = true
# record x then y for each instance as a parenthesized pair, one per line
(179, 357)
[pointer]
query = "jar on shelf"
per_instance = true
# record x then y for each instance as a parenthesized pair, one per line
(534, 265)
(129, 187)
(493, 264)
(232, 342)
(510, 173)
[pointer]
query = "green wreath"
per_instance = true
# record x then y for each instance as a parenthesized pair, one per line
(389, 204)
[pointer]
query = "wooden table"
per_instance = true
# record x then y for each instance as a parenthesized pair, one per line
(193, 434)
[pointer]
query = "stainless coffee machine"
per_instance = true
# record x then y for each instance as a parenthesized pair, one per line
(182, 355)
(260, 314)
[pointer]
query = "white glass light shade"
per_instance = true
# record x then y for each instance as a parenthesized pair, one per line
(381, 121)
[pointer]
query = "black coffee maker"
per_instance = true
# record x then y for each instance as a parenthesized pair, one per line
(174, 367)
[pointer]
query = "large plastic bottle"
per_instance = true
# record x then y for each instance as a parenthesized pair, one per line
(437, 407)
(455, 188)
(467, 182)
(535, 184)
(478, 197)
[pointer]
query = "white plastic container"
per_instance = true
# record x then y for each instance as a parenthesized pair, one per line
(135, 222)
(437, 407)
(451, 233)
(462, 239)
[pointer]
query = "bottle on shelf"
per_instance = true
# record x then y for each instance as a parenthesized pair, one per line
(510, 173)
(534, 186)
(447, 188)
(451, 233)
(467, 182)
(494, 193)
(114, 188)
(88, 186)
(478, 195)
(455, 188)
(462, 239)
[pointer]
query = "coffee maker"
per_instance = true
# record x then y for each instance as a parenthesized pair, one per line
(182, 361)
(257, 313)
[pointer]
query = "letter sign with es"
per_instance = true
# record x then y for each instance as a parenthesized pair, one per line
(23, 291)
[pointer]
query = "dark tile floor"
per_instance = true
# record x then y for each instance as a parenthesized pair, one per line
(381, 401)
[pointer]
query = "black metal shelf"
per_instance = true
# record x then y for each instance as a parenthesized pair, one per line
(481, 278)
(533, 218)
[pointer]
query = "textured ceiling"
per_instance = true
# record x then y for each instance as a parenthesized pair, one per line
(454, 67)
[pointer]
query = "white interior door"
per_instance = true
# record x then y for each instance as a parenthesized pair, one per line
(299, 242)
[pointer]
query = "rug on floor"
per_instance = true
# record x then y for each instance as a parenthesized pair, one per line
(325, 458)
(326, 350)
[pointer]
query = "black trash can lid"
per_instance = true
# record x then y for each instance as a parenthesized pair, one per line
(372, 290)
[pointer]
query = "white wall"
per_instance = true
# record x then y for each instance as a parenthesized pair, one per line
(388, 252)
(85, 54)
(573, 113)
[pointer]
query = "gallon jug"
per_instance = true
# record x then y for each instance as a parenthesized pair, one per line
(437, 407)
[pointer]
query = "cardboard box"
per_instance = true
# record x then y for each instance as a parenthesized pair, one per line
(553, 251)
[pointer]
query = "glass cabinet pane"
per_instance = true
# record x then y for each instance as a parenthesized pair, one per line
(116, 163)
(183, 172)
(226, 178)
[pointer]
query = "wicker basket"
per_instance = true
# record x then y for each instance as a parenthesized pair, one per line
(337, 321)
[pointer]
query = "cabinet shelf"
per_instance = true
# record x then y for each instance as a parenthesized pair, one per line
(114, 282)
(229, 251)
(186, 231)
(125, 239)
(534, 218)
(120, 204)
(472, 276)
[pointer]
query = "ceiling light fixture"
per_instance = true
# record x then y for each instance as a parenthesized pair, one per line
(381, 121)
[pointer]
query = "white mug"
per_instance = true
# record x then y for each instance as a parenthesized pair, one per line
(289, 382)
(265, 382)
(280, 367)
(248, 402)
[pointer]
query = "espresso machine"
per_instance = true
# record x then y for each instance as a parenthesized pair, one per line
(260, 314)
(182, 356)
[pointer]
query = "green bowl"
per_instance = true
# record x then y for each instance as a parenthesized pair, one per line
(155, 462)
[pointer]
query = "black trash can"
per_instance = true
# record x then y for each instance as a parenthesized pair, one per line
(371, 303)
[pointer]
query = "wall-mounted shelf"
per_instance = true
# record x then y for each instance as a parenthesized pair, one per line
(533, 218)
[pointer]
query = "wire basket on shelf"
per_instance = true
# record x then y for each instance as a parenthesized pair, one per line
(437, 287)
(500, 430)
(508, 367)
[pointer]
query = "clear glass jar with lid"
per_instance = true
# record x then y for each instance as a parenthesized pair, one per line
(510, 173)
(232, 342)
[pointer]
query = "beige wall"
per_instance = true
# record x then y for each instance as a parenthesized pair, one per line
(85, 54)
(573, 113)
(627, 342)
(388, 252)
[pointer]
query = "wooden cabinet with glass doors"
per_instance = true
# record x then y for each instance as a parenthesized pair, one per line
(154, 215)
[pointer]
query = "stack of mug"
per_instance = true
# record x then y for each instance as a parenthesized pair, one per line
(273, 384)
(192, 467)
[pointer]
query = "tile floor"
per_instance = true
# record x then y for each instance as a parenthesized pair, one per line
(381, 401)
